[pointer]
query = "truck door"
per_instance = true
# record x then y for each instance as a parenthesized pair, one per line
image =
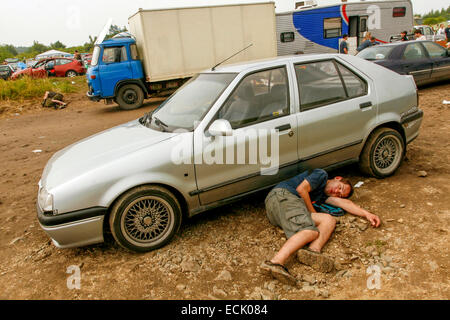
(357, 27)
(114, 67)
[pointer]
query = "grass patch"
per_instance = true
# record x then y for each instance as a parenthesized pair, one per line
(27, 88)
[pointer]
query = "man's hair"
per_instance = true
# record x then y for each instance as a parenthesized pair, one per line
(349, 183)
(373, 38)
(417, 31)
(344, 35)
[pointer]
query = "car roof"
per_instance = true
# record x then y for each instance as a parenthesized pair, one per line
(261, 63)
(399, 43)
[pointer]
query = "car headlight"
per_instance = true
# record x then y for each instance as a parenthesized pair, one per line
(45, 200)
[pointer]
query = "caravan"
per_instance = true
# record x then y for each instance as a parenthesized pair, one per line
(315, 29)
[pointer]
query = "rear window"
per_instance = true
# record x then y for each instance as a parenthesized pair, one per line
(375, 53)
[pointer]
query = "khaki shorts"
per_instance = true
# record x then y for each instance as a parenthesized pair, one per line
(289, 212)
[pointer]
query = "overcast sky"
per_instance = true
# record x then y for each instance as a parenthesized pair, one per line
(71, 22)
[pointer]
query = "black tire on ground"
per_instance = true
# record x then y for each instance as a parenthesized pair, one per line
(71, 74)
(383, 153)
(130, 97)
(145, 218)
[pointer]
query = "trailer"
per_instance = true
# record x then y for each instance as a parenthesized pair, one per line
(168, 46)
(319, 29)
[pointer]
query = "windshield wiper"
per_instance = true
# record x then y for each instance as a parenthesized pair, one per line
(147, 118)
(161, 124)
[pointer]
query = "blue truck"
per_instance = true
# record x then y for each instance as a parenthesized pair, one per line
(166, 47)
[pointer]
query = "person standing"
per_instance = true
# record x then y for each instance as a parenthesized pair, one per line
(418, 35)
(343, 47)
(404, 36)
(441, 30)
(77, 55)
(447, 33)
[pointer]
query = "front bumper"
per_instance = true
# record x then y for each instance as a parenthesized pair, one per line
(93, 97)
(74, 229)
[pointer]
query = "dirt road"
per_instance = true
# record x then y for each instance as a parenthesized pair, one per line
(216, 255)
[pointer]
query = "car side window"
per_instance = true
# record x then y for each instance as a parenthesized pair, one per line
(319, 83)
(258, 97)
(50, 64)
(60, 62)
(355, 86)
(114, 54)
(434, 50)
(413, 51)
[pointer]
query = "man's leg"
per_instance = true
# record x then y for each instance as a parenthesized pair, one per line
(294, 243)
(326, 224)
(312, 257)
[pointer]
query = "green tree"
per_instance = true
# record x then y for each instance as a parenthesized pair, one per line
(58, 45)
(113, 30)
(37, 48)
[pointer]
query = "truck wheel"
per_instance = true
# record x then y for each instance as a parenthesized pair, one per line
(145, 218)
(130, 97)
(382, 153)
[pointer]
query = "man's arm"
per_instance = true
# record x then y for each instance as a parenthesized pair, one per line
(353, 208)
(303, 190)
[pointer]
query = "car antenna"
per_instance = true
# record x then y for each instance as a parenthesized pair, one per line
(214, 68)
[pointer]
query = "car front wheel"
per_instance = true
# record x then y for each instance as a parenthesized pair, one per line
(382, 153)
(145, 218)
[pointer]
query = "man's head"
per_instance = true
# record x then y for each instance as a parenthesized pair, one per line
(403, 33)
(339, 187)
(373, 39)
(417, 32)
(345, 36)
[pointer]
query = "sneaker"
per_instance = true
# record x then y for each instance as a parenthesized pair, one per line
(279, 272)
(315, 260)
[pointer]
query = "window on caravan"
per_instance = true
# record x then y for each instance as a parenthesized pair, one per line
(287, 37)
(332, 27)
(399, 12)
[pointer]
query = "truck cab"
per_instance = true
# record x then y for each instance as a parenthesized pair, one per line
(116, 73)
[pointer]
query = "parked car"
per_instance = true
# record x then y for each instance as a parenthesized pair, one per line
(58, 67)
(141, 178)
(425, 60)
(6, 71)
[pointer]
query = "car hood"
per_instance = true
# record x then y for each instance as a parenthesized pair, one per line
(98, 150)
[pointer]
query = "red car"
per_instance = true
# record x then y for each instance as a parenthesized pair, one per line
(57, 67)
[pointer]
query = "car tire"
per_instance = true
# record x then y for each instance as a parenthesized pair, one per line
(71, 74)
(145, 218)
(383, 153)
(130, 97)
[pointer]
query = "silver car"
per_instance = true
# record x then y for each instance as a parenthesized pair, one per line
(226, 133)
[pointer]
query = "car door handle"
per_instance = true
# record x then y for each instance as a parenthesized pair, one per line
(365, 105)
(283, 128)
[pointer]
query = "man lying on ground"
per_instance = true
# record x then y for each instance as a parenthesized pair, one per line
(289, 206)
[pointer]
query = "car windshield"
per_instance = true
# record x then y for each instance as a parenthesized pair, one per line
(376, 53)
(189, 104)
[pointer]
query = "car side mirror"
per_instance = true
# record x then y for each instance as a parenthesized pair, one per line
(220, 127)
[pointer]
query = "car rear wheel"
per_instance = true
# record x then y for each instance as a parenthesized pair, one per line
(130, 97)
(145, 218)
(71, 74)
(382, 153)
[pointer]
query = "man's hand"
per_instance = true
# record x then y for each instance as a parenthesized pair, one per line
(373, 219)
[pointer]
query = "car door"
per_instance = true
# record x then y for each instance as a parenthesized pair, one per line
(61, 67)
(337, 110)
(440, 60)
(416, 62)
(114, 67)
(262, 149)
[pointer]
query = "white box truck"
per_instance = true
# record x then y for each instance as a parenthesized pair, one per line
(168, 46)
